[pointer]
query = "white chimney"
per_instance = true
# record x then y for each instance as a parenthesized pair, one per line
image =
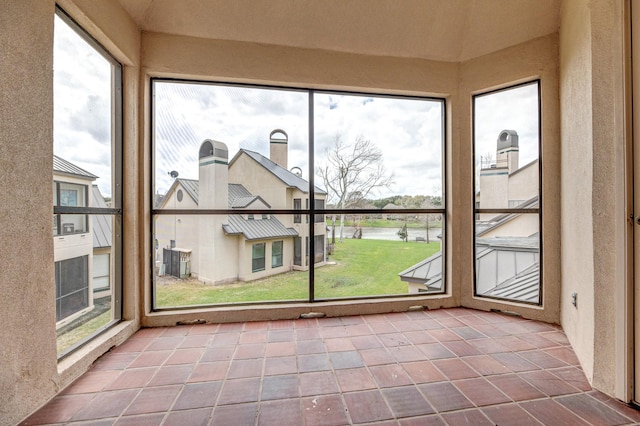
(278, 149)
(507, 152)
(213, 188)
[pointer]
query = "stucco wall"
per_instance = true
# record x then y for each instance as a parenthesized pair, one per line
(593, 217)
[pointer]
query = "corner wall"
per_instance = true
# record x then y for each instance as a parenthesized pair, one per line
(27, 349)
(593, 182)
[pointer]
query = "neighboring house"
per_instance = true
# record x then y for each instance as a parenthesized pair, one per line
(239, 247)
(72, 241)
(507, 245)
(389, 212)
(102, 230)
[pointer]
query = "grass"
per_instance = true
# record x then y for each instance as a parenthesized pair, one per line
(71, 337)
(362, 268)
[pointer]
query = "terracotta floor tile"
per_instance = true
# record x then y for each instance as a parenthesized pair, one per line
(450, 322)
(311, 346)
(432, 420)
(255, 326)
(514, 362)
(223, 353)
(542, 359)
(241, 368)
(468, 333)
(550, 412)
(548, 383)
(358, 330)
(196, 341)
(538, 341)
(153, 400)
(481, 392)
(355, 379)
(393, 339)
(286, 324)
(209, 371)
(280, 365)
(224, 339)
(352, 320)
(444, 335)
(490, 330)
(237, 414)
(620, 407)
(509, 414)
(305, 323)
(331, 332)
(572, 375)
(367, 406)
(198, 395)
(564, 354)
(238, 391)
(515, 388)
(406, 353)
(135, 378)
(286, 412)
(210, 329)
(338, 344)
(108, 404)
(199, 417)
(165, 343)
(150, 359)
(486, 365)
(455, 369)
(435, 351)
(423, 372)
(407, 402)
(171, 375)
(154, 419)
(179, 330)
(514, 344)
(92, 381)
(320, 383)
(377, 356)
(556, 336)
(420, 337)
(382, 327)
(133, 345)
(366, 342)
(280, 387)
(404, 326)
(445, 397)
(488, 346)
(323, 410)
(428, 324)
(253, 337)
(472, 417)
(249, 351)
(60, 409)
(461, 348)
(230, 327)
(280, 336)
(307, 333)
(314, 362)
(349, 359)
(185, 356)
(592, 410)
(280, 349)
(391, 375)
(116, 361)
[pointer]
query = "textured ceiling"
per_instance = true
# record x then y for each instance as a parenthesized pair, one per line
(445, 30)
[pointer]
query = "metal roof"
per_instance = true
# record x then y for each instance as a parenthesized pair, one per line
(260, 229)
(290, 179)
(101, 225)
(427, 272)
(524, 286)
(190, 187)
(486, 226)
(61, 165)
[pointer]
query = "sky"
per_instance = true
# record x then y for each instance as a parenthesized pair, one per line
(408, 131)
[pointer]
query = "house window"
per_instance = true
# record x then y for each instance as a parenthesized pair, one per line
(276, 254)
(69, 195)
(359, 153)
(257, 257)
(507, 186)
(87, 176)
(318, 218)
(72, 287)
(297, 205)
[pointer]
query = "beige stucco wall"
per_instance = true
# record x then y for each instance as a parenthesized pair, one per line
(30, 373)
(593, 178)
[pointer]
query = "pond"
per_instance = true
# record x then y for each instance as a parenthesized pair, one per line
(388, 233)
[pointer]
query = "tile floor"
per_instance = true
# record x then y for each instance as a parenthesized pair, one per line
(450, 366)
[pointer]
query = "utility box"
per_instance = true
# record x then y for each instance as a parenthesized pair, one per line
(177, 262)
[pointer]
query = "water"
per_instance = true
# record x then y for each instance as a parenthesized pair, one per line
(387, 233)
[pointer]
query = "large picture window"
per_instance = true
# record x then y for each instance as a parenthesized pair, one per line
(508, 194)
(86, 185)
(351, 184)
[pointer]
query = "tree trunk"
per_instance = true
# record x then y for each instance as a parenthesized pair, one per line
(341, 227)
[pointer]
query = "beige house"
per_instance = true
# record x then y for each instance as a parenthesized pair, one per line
(219, 249)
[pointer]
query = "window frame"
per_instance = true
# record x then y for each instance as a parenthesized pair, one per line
(276, 256)
(263, 258)
(116, 209)
(477, 211)
(310, 208)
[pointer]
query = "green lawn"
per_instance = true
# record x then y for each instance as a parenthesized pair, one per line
(362, 268)
(383, 223)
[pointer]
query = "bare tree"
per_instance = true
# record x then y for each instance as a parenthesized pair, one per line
(351, 171)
